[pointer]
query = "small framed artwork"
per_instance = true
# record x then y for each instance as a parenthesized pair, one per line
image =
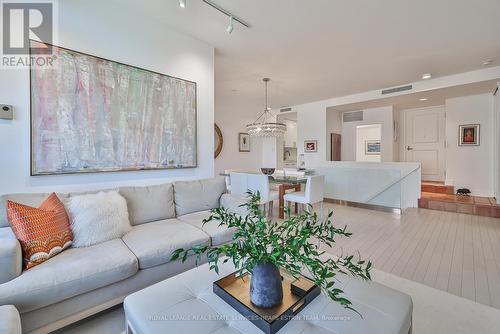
(244, 142)
(468, 135)
(372, 147)
(310, 146)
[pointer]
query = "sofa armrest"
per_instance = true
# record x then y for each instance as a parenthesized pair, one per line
(232, 204)
(10, 321)
(11, 257)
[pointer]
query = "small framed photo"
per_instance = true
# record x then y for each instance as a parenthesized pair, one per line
(372, 147)
(468, 135)
(244, 142)
(310, 146)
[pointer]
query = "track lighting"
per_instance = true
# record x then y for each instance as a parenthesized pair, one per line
(230, 27)
(182, 3)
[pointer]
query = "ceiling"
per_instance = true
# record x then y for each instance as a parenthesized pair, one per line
(434, 97)
(318, 49)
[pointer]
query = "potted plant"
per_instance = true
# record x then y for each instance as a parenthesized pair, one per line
(261, 247)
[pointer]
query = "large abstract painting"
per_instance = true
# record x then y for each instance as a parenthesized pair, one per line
(90, 114)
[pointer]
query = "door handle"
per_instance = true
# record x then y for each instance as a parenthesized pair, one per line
(409, 148)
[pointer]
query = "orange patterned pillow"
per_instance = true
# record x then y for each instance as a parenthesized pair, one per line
(42, 232)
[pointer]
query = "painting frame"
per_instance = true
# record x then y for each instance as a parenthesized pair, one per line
(469, 135)
(373, 147)
(310, 146)
(243, 142)
(195, 148)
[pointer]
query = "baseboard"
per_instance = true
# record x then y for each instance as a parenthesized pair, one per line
(363, 205)
(77, 316)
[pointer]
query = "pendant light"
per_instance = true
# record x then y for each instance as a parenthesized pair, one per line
(261, 127)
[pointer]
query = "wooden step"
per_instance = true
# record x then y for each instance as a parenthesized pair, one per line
(437, 188)
(473, 205)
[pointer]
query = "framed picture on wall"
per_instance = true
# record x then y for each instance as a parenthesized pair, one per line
(310, 146)
(469, 135)
(244, 142)
(372, 147)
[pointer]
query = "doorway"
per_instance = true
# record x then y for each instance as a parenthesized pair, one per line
(425, 141)
(369, 143)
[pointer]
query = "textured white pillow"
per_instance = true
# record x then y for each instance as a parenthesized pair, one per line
(96, 218)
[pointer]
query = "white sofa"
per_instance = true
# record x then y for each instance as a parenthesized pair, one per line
(80, 282)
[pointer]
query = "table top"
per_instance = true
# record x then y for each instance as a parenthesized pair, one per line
(280, 179)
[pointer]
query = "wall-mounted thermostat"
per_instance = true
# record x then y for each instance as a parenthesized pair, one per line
(6, 112)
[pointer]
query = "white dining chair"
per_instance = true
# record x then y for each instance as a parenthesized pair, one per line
(314, 193)
(228, 178)
(241, 183)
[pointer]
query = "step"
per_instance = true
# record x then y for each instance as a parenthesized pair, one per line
(473, 205)
(437, 188)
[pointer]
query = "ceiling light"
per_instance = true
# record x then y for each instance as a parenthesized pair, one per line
(262, 127)
(182, 3)
(487, 62)
(426, 76)
(230, 27)
(423, 99)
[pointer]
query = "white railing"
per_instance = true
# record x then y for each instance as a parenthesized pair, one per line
(393, 185)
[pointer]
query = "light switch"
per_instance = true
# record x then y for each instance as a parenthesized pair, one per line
(6, 112)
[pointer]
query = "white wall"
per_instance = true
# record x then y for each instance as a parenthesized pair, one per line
(231, 122)
(311, 125)
(383, 116)
(470, 166)
(496, 149)
(120, 35)
(363, 134)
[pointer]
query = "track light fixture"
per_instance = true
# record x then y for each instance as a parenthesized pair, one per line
(230, 27)
(232, 18)
(182, 3)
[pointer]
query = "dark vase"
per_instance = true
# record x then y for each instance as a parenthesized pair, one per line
(266, 289)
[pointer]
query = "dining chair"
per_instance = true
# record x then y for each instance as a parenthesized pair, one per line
(314, 193)
(243, 182)
(228, 178)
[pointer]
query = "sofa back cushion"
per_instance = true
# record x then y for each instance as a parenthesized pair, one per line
(199, 195)
(33, 200)
(151, 203)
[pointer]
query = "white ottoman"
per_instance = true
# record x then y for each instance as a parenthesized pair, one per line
(186, 304)
(10, 322)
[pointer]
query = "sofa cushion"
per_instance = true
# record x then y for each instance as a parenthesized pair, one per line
(11, 259)
(153, 243)
(10, 321)
(73, 272)
(235, 204)
(218, 234)
(33, 200)
(151, 203)
(199, 195)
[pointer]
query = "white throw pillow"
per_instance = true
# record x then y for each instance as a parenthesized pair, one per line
(96, 218)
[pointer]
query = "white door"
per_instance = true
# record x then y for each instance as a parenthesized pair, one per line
(425, 141)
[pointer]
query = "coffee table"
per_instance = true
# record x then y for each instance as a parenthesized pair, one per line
(186, 304)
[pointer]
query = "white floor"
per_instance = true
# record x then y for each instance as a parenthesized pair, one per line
(451, 252)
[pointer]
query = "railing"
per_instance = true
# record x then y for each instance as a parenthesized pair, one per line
(391, 185)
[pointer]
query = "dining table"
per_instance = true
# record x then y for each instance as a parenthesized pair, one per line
(284, 183)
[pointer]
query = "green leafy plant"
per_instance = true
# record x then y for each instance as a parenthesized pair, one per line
(288, 244)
